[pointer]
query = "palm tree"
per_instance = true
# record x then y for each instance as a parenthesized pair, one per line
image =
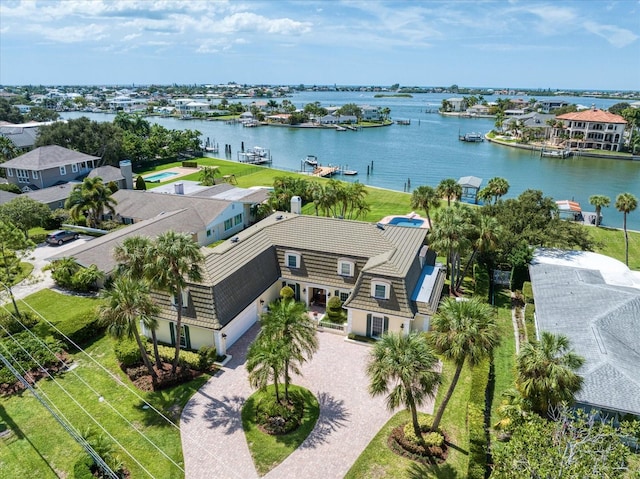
(462, 331)
(488, 231)
(449, 235)
(425, 198)
(546, 372)
(599, 201)
(128, 301)
(173, 259)
(449, 188)
(90, 198)
(132, 256)
(265, 363)
(208, 175)
(287, 326)
(403, 368)
(8, 149)
(626, 203)
(498, 187)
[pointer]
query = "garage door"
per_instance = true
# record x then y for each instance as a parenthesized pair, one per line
(240, 324)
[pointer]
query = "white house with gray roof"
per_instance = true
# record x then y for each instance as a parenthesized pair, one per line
(594, 300)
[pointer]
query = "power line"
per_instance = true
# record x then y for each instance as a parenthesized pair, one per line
(77, 403)
(192, 440)
(63, 421)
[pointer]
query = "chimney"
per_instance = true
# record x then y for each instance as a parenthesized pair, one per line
(178, 188)
(296, 205)
(127, 171)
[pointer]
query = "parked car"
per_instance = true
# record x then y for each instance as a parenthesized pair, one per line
(61, 236)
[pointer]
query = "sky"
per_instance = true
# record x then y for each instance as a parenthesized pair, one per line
(584, 44)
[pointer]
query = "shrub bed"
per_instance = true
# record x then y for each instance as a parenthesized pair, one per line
(10, 324)
(404, 442)
(278, 418)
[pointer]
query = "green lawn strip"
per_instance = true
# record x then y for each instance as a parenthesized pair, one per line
(37, 426)
(268, 451)
(610, 242)
(377, 460)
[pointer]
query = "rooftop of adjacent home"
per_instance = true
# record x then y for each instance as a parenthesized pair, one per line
(593, 115)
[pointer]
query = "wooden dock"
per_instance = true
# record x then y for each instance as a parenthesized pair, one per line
(324, 171)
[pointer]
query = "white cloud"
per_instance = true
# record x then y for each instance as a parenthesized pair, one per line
(72, 34)
(618, 37)
(251, 22)
(131, 36)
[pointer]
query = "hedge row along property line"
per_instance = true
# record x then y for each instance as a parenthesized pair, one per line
(478, 440)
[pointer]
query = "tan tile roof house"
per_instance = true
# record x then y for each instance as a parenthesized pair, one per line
(591, 129)
(386, 277)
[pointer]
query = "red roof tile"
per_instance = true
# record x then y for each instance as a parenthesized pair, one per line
(593, 115)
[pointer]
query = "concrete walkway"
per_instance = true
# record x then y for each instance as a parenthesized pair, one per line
(213, 441)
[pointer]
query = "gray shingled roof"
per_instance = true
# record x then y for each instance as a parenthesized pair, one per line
(6, 196)
(142, 205)
(107, 173)
(602, 321)
(53, 193)
(47, 157)
(22, 137)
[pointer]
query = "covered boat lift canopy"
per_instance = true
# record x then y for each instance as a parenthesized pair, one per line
(470, 187)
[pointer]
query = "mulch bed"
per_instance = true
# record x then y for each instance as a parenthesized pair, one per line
(140, 377)
(405, 448)
(35, 375)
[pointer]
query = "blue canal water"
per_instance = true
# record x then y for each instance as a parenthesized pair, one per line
(425, 152)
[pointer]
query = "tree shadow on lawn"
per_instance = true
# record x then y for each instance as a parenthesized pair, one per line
(422, 471)
(333, 415)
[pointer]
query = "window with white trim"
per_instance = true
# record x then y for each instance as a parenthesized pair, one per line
(23, 176)
(63, 170)
(380, 289)
(344, 295)
(228, 224)
(74, 167)
(183, 337)
(185, 299)
(292, 260)
(9, 171)
(345, 267)
(237, 219)
(377, 326)
(34, 174)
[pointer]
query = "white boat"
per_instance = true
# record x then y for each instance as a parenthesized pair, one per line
(311, 160)
(471, 137)
(340, 128)
(350, 172)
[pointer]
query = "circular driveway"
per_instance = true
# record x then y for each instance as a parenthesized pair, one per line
(213, 442)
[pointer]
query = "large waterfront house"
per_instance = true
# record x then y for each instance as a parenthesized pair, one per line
(594, 300)
(48, 166)
(592, 129)
(457, 104)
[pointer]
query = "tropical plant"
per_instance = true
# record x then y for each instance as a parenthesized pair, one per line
(25, 213)
(13, 246)
(625, 204)
(127, 302)
(599, 201)
(8, 149)
(498, 187)
(173, 259)
(485, 233)
(90, 198)
(546, 372)
(449, 188)
(287, 326)
(208, 175)
(265, 363)
(462, 331)
(425, 198)
(403, 368)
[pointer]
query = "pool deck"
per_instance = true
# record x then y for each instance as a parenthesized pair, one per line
(178, 170)
(410, 216)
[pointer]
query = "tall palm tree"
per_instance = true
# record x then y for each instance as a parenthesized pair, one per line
(546, 372)
(498, 187)
(599, 201)
(287, 326)
(174, 258)
(8, 149)
(425, 198)
(626, 203)
(128, 301)
(403, 368)
(132, 256)
(450, 235)
(462, 331)
(90, 198)
(487, 231)
(449, 188)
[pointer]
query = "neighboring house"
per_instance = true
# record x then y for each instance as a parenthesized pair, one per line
(457, 104)
(386, 276)
(478, 109)
(22, 135)
(47, 166)
(54, 196)
(337, 119)
(537, 123)
(370, 113)
(593, 129)
(594, 300)
(546, 106)
(110, 174)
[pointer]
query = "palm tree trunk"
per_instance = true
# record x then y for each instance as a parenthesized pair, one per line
(275, 384)
(414, 416)
(145, 356)
(156, 354)
(286, 380)
(445, 399)
(626, 239)
(176, 356)
(466, 268)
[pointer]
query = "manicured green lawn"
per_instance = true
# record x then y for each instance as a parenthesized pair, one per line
(377, 460)
(610, 242)
(269, 451)
(40, 448)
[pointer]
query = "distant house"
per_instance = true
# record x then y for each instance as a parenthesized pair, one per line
(370, 113)
(546, 106)
(457, 104)
(594, 300)
(592, 129)
(336, 119)
(478, 109)
(47, 166)
(22, 135)
(537, 123)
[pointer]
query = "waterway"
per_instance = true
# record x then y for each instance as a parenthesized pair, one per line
(403, 157)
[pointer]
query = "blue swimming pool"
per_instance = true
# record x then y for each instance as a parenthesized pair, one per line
(158, 177)
(404, 221)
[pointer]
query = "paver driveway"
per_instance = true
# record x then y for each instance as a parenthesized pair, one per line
(213, 442)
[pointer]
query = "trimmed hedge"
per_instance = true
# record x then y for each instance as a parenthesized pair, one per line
(80, 329)
(189, 164)
(188, 358)
(478, 441)
(127, 352)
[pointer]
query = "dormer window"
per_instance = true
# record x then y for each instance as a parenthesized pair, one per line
(185, 299)
(63, 170)
(74, 167)
(292, 260)
(345, 267)
(380, 289)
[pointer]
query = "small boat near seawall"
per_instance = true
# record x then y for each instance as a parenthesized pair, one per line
(555, 153)
(471, 137)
